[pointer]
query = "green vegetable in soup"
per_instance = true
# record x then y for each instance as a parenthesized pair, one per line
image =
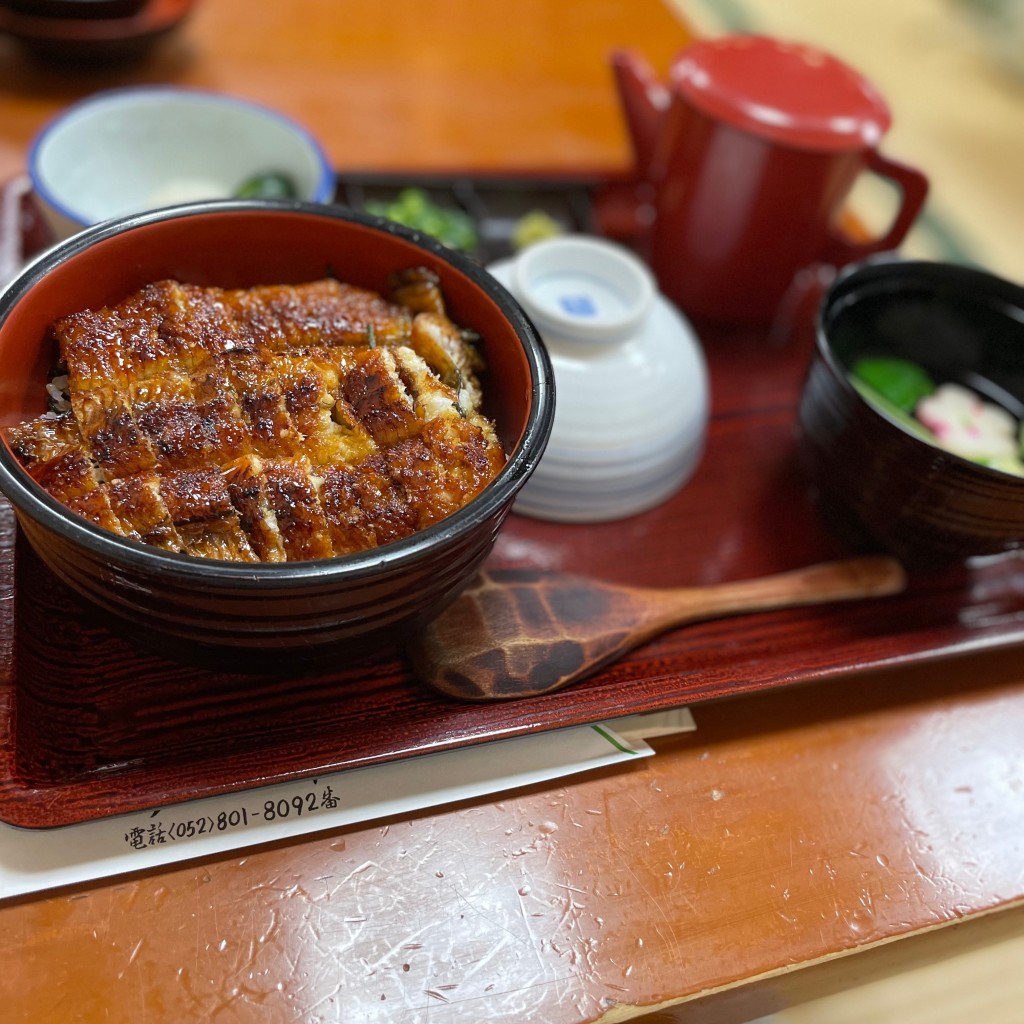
(950, 416)
(415, 209)
(1006, 464)
(883, 404)
(273, 185)
(900, 382)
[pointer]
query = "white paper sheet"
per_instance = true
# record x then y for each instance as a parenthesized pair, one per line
(34, 860)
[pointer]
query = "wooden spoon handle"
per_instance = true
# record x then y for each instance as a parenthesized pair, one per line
(520, 633)
(852, 578)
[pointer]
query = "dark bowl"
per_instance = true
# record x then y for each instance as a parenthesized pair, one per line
(91, 32)
(877, 482)
(76, 8)
(264, 615)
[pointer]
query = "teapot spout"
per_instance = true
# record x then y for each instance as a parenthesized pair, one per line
(644, 102)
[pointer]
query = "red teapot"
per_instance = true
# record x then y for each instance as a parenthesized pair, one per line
(747, 156)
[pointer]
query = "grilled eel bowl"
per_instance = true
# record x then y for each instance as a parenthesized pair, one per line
(265, 434)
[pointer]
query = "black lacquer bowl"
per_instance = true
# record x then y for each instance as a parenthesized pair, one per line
(267, 615)
(877, 481)
(90, 33)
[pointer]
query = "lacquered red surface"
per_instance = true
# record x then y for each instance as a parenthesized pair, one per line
(747, 512)
(746, 174)
(790, 92)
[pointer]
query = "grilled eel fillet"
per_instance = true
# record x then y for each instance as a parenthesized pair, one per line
(276, 423)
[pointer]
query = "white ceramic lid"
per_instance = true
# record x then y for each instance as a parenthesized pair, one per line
(631, 385)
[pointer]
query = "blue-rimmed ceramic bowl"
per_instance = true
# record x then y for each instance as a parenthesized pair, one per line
(127, 150)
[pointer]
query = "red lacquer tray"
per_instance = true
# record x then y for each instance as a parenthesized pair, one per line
(91, 726)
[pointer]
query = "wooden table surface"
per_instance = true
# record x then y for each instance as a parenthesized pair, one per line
(408, 85)
(792, 827)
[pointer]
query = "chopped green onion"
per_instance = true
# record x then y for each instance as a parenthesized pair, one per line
(413, 208)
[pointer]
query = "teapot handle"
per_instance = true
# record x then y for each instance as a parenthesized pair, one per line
(913, 185)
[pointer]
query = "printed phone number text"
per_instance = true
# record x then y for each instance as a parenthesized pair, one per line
(158, 832)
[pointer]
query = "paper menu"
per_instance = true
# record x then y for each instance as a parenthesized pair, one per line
(35, 860)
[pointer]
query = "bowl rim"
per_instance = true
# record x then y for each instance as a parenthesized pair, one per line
(325, 185)
(897, 271)
(28, 496)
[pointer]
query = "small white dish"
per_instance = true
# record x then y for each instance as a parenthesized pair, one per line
(631, 384)
(126, 150)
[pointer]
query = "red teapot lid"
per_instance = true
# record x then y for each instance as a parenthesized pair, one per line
(788, 92)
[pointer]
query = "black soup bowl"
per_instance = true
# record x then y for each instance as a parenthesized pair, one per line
(262, 615)
(878, 482)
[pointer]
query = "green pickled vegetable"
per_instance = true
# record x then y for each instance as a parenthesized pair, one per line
(883, 404)
(535, 226)
(267, 186)
(1005, 464)
(413, 208)
(900, 382)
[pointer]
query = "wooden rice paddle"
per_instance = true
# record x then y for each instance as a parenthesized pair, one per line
(520, 633)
